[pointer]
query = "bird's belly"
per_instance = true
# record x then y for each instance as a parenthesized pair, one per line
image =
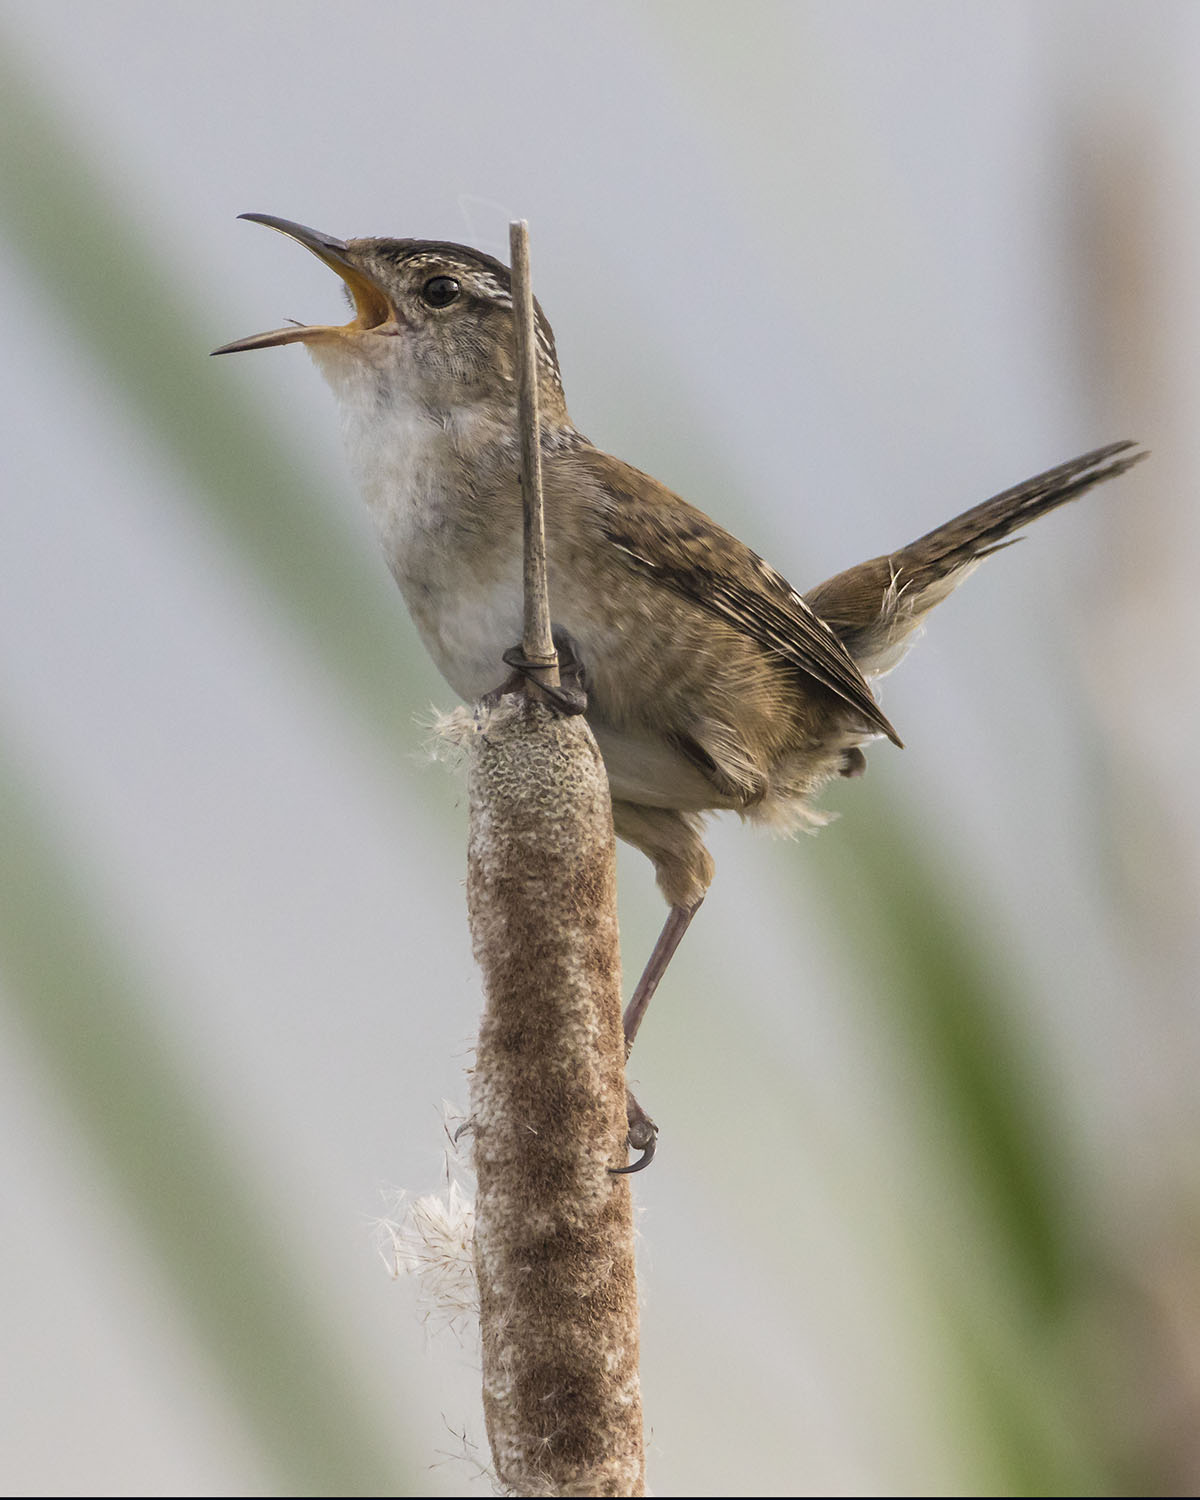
(648, 770)
(466, 627)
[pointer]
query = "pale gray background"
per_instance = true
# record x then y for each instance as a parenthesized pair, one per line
(833, 271)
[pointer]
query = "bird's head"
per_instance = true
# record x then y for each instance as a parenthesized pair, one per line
(433, 322)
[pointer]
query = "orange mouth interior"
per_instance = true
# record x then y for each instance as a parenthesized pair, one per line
(372, 307)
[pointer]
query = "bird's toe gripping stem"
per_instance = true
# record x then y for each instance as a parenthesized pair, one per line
(643, 1137)
(570, 696)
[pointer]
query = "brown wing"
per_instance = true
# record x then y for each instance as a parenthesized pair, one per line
(671, 541)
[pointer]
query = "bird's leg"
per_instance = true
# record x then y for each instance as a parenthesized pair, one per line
(678, 920)
(643, 1132)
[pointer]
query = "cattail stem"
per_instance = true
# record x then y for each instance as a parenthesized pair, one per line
(538, 644)
(554, 1249)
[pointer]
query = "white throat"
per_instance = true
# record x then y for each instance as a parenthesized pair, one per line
(434, 504)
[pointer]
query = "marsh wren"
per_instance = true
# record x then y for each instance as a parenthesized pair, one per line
(710, 682)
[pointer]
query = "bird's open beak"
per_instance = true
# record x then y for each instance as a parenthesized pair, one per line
(371, 305)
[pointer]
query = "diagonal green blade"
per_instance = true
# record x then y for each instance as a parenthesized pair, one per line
(292, 1379)
(127, 315)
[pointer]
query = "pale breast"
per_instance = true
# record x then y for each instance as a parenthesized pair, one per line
(467, 622)
(451, 532)
(454, 551)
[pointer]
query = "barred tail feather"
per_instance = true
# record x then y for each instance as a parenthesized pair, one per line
(876, 609)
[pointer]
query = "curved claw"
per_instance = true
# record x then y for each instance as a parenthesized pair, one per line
(643, 1137)
(647, 1156)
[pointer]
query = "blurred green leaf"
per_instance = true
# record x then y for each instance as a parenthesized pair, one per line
(933, 960)
(61, 213)
(294, 1383)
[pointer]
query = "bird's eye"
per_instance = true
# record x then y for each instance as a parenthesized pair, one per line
(440, 291)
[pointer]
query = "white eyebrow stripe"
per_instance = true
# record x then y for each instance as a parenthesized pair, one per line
(491, 287)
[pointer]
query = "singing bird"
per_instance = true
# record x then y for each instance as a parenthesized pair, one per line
(710, 682)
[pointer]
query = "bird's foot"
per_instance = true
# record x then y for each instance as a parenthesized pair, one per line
(569, 697)
(643, 1137)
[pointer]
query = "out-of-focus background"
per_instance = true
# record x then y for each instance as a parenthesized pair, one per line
(926, 1213)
